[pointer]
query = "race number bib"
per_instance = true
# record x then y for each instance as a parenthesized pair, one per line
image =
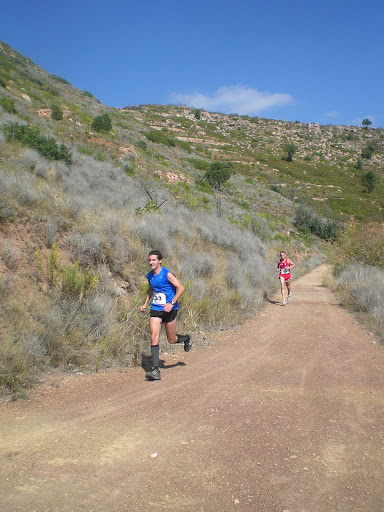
(159, 299)
(284, 271)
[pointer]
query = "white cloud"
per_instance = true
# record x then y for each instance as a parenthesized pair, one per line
(332, 114)
(233, 99)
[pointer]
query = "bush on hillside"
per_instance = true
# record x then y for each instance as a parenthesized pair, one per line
(290, 148)
(218, 174)
(160, 138)
(197, 113)
(368, 179)
(308, 220)
(359, 244)
(30, 136)
(8, 105)
(102, 123)
(56, 112)
(366, 153)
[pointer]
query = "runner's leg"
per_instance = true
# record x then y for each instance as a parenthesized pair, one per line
(170, 329)
(155, 328)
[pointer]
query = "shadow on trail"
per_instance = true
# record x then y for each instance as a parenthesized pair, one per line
(146, 363)
(270, 301)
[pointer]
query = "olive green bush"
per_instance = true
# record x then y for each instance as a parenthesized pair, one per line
(30, 136)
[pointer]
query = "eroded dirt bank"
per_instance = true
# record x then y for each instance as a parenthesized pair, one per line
(285, 413)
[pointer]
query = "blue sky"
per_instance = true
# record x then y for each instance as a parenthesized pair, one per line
(308, 61)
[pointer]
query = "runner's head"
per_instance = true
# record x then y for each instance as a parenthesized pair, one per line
(156, 253)
(155, 259)
(282, 255)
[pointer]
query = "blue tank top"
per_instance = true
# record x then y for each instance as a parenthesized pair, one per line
(163, 290)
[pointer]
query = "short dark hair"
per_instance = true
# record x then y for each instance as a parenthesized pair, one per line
(156, 253)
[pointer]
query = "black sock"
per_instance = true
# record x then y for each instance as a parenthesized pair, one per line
(181, 338)
(155, 355)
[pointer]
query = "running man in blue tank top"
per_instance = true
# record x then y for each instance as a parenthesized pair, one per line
(164, 290)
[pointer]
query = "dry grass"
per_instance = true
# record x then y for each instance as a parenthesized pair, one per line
(361, 289)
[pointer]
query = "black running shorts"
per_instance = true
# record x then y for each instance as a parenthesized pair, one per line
(165, 317)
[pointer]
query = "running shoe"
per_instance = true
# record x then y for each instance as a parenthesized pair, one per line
(187, 343)
(289, 296)
(284, 302)
(154, 374)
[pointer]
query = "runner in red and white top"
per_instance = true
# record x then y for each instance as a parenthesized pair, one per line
(284, 266)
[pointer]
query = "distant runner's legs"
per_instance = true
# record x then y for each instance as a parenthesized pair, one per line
(282, 285)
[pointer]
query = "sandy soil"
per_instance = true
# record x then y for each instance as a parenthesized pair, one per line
(285, 413)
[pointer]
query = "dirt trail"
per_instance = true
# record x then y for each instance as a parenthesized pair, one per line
(285, 413)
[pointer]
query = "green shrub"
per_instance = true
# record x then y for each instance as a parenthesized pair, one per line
(359, 244)
(8, 104)
(366, 153)
(51, 267)
(197, 113)
(102, 123)
(57, 113)
(202, 165)
(218, 174)
(53, 90)
(150, 206)
(70, 280)
(368, 180)
(307, 220)
(290, 148)
(142, 144)
(160, 138)
(129, 170)
(359, 165)
(76, 283)
(30, 136)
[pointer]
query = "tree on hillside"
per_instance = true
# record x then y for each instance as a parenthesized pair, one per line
(290, 148)
(366, 122)
(368, 179)
(218, 173)
(197, 113)
(102, 123)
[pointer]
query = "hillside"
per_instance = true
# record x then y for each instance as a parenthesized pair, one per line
(326, 168)
(90, 204)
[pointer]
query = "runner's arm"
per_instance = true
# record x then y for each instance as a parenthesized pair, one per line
(147, 298)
